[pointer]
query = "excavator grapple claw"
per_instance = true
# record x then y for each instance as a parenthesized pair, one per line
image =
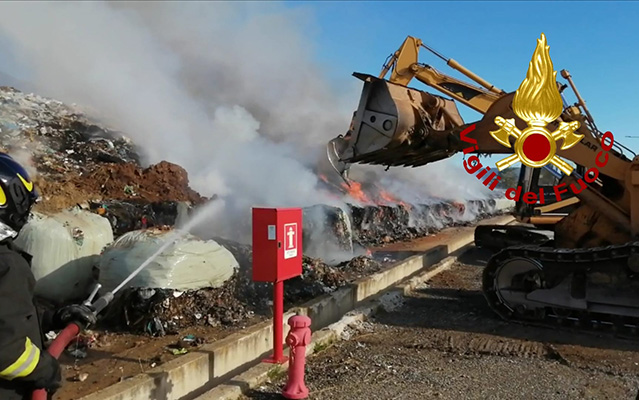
(395, 125)
(333, 150)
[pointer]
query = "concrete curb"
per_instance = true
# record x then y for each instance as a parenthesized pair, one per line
(193, 374)
(261, 373)
(321, 339)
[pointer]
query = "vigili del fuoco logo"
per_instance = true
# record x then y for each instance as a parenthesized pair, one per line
(537, 102)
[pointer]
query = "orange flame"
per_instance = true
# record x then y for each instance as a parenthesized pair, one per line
(389, 198)
(356, 192)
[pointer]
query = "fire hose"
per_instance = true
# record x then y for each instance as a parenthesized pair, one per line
(72, 330)
(55, 349)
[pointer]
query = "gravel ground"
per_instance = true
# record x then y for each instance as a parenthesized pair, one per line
(445, 343)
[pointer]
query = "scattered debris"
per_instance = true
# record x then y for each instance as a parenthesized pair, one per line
(190, 339)
(158, 312)
(178, 351)
(360, 266)
(392, 301)
(356, 328)
(77, 353)
(81, 377)
(129, 215)
(80, 346)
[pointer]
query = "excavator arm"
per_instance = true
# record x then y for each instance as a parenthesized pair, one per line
(404, 66)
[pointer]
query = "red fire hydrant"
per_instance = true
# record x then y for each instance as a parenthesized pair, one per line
(299, 336)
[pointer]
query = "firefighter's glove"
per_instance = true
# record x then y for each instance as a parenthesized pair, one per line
(51, 380)
(78, 314)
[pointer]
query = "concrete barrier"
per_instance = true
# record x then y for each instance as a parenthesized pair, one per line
(193, 374)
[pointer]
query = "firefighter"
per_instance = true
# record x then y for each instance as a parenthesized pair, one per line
(24, 364)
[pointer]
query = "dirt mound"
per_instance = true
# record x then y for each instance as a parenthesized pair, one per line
(159, 183)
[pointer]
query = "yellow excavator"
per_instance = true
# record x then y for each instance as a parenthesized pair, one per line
(586, 273)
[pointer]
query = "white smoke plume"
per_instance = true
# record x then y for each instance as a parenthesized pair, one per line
(230, 91)
(23, 156)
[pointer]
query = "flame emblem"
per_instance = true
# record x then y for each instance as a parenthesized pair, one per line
(538, 102)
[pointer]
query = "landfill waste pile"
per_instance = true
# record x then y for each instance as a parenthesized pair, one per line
(160, 183)
(333, 229)
(163, 311)
(59, 138)
(159, 312)
(384, 224)
(105, 211)
(76, 159)
(129, 215)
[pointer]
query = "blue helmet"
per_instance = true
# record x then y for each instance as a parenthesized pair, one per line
(17, 194)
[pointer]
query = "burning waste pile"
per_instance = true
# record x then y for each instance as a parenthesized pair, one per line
(373, 225)
(104, 213)
(375, 217)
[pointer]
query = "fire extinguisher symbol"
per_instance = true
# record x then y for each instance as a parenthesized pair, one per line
(290, 241)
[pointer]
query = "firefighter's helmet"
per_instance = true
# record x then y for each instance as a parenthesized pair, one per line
(17, 194)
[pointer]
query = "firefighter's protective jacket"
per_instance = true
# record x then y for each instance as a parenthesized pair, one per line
(24, 365)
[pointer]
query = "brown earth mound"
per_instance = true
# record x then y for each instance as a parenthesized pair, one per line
(126, 181)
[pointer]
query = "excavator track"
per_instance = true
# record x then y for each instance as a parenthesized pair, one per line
(591, 289)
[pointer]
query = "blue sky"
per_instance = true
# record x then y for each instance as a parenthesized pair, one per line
(598, 42)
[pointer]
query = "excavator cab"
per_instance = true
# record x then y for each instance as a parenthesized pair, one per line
(544, 179)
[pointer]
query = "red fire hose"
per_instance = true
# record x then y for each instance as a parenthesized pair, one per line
(69, 333)
(57, 347)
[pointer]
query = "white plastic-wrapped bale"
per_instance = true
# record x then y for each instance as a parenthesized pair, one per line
(188, 264)
(65, 247)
